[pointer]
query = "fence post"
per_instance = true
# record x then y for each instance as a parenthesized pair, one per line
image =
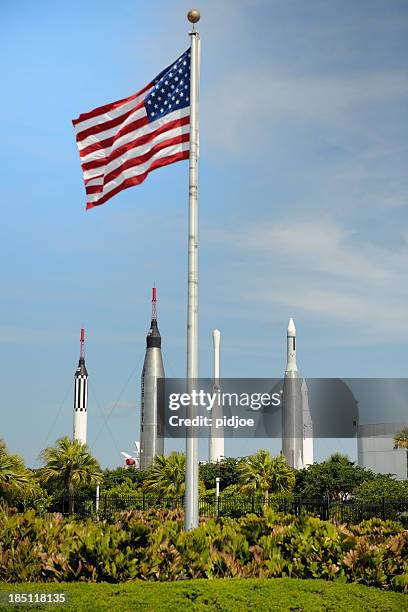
(217, 494)
(97, 500)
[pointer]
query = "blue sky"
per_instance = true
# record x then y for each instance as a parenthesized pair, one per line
(303, 203)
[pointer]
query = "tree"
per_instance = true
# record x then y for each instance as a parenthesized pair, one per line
(16, 481)
(226, 470)
(114, 478)
(337, 477)
(383, 486)
(69, 464)
(125, 488)
(401, 441)
(166, 476)
(261, 472)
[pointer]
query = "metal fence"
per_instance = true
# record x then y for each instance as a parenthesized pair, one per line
(238, 505)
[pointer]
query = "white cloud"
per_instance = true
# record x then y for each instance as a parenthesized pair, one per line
(326, 247)
(328, 272)
(255, 101)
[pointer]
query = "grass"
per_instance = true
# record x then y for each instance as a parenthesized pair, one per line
(228, 595)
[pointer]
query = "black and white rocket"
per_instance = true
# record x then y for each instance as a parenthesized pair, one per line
(297, 429)
(151, 443)
(81, 395)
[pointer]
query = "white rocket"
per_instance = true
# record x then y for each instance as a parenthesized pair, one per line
(297, 430)
(81, 395)
(216, 440)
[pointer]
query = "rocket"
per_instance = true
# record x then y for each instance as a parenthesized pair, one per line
(297, 428)
(307, 427)
(151, 443)
(81, 395)
(216, 440)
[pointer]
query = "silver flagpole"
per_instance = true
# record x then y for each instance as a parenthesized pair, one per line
(191, 493)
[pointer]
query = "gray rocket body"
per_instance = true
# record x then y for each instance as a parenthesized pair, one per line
(151, 443)
(297, 429)
(292, 420)
(307, 427)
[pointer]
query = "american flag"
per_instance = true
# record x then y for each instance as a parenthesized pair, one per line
(120, 143)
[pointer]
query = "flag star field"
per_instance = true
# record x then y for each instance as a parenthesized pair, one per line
(171, 90)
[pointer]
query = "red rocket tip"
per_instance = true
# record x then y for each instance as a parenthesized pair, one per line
(82, 344)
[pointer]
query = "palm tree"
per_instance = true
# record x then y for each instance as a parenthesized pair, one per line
(166, 476)
(15, 479)
(261, 472)
(69, 464)
(401, 441)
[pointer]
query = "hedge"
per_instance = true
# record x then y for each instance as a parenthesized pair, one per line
(153, 546)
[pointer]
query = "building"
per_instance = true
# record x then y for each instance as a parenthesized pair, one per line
(375, 447)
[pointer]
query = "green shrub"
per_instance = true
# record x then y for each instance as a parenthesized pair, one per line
(153, 546)
(382, 486)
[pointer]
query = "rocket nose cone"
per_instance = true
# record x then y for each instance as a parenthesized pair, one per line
(291, 328)
(153, 338)
(81, 369)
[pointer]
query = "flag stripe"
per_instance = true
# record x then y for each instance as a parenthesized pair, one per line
(96, 184)
(133, 121)
(141, 160)
(140, 169)
(145, 130)
(137, 180)
(104, 117)
(150, 128)
(107, 125)
(95, 179)
(137, 148)
(129, 141)
(94, 144)
(114, 107)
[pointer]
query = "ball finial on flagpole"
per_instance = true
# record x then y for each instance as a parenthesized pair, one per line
(193, 16)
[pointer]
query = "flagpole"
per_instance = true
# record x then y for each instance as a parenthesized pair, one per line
(191, 481)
